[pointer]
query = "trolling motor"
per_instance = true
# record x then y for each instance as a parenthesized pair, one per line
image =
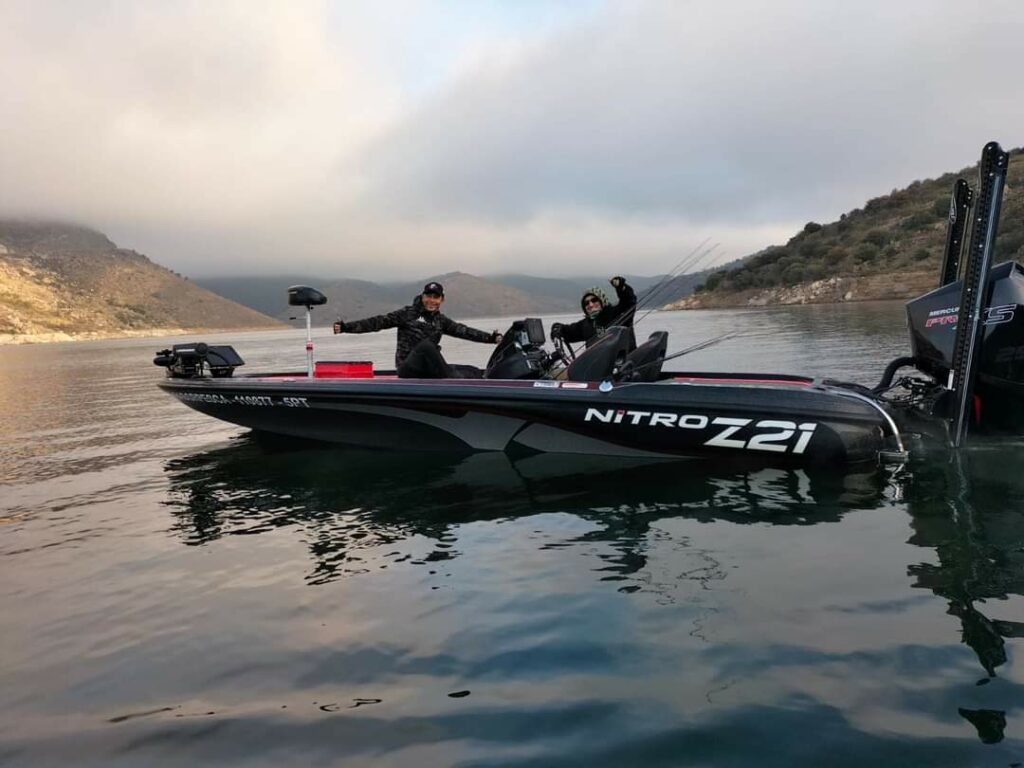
(190, 361)
(304, 296)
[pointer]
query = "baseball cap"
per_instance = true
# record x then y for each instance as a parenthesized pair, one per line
(435, 288)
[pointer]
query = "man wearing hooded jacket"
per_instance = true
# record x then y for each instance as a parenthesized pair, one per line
(600, 315)
(420, 327)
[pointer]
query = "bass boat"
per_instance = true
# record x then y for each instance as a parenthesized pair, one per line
(966, 361)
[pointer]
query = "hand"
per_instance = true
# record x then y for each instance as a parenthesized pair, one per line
(617, 282)
(339, 326)
(495, 338)
(556, 331)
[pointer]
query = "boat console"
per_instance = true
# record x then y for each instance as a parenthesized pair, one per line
(521, 353)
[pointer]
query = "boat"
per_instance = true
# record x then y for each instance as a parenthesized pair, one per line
(967, 356)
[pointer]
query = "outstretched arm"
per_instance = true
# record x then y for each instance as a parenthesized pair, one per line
(573, 332)
(460, 331)
(371, 324)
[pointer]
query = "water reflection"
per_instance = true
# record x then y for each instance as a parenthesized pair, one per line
(358, 511)
(349, 502)
(967, 509)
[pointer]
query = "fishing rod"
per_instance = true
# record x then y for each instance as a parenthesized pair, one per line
(691, 259)
(686, 264)
(700, 258)
(671, 273)
(628, 371)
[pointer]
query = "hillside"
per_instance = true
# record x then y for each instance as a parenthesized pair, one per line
(59, 281)
(467, 295)
(890, 248)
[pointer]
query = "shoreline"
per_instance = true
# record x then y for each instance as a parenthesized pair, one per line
(846, 289)
(52, 337)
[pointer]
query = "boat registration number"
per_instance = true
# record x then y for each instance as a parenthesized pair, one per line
(266, 401)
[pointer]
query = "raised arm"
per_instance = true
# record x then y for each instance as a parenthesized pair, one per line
(625, 309)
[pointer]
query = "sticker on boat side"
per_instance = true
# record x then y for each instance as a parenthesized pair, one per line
(265, 401)
(545, 384)
(773, 435)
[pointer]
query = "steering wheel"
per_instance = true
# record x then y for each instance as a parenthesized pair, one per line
(564, 348)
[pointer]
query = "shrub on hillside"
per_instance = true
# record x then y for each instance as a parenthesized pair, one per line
(876, 237)
(917, 221)
(812, 249)
(794, 274)
(1009, 243)
(865, 252)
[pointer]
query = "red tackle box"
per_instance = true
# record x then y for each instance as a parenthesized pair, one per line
(343, 369)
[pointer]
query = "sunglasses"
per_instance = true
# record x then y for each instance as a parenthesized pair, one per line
(592, 300)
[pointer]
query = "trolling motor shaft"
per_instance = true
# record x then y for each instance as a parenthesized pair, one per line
(304, 296)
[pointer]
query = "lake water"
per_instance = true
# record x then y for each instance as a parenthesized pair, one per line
(175, 593)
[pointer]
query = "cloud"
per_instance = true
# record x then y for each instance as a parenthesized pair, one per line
(340, 139)
(734, 114)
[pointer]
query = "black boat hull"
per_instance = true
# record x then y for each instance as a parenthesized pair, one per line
(783, 419)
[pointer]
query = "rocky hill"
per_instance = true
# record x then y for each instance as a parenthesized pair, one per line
(60, 281)
(889, 249)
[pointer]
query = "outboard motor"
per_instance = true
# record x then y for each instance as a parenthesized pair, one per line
(520, 355)
(933, 320)
(969, 333)
(304, 296)
(189, 361)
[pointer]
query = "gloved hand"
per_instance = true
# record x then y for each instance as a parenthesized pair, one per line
(556, 331)
(339, 326)
(495, 338)
(617, 282)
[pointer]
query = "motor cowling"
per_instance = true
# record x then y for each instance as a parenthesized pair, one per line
(933, 320)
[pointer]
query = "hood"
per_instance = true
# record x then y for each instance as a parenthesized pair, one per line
(595, 291)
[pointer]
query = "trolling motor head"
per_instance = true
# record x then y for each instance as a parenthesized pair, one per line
(304, 296)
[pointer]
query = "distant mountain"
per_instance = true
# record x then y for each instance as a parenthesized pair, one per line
(891, 248)
(466, 295)
(62, 281)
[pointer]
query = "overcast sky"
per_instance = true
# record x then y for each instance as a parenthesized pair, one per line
(399, 138)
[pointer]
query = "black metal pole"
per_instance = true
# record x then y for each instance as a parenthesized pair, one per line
(976, 292)
(959, 211)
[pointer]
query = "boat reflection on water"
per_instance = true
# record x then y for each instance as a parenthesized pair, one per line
(351, 501)
(352, 506)
(968, 509)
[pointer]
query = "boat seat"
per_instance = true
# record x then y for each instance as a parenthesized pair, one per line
(644, 363)
(600, 360)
